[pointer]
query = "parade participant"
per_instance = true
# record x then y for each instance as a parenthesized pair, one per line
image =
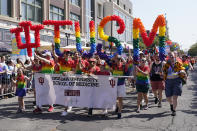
(192, 62)
(47, 67)
(21, 89)
(129, 64)
(104, 70)
(79, 64)
(35, 67)
(174, 75)
(118, 69)
(156, 78)
(92, 69)
(186, 64)
(66, 62)
(142, 83)
(65, 67)
(98, 63)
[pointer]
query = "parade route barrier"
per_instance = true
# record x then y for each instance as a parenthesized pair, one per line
(76, 90)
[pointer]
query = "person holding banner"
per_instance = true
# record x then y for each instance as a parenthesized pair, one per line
(65, 66)
(47, 67)
(92, 69)
(142, 83)
(118, 68)
(79, 64)
(104, 70)
(21, 89)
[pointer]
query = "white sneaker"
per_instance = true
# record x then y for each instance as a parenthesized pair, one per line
(64, 113)
(105, 112)
(69, 109)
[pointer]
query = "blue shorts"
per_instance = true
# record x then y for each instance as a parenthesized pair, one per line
(173, 87)
(21, 92)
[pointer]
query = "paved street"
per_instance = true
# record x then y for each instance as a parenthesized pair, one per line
(153, 119)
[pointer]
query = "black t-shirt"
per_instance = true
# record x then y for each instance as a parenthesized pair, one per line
(156, 68)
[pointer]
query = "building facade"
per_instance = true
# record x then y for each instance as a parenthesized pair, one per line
(122, 8)
(14, 11)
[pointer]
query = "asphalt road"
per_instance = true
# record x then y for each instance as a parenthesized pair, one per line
(154, 118)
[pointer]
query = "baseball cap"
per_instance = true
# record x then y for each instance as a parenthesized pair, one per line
(92, 59)
(66, 50)
(47, 54)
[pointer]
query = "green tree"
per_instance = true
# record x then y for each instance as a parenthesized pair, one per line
(193, 50)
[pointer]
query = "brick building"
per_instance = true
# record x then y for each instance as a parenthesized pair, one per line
(14, 11)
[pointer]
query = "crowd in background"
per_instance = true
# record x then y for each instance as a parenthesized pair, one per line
(150, 72)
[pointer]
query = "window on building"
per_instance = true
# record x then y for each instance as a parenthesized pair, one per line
(124, 6)
(129, 11)
(75, 2)
(99, 10)
(74, 17)
(5, 7)
(118, 2)
(56, 13)
(31, 10)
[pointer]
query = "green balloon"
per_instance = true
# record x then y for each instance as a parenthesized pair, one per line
(114, 40)
(135, 43)
(78, 40)
(92, 40)
(57, 46)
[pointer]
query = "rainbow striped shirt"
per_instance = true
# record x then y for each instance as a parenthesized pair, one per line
(186, 65)
(141, 78)
(21, 82)
(47, 68)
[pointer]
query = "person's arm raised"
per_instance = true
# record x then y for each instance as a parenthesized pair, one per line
(42, 59)
(53, 52)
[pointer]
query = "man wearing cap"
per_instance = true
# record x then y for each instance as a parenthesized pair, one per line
(47, 63)
(47, 67)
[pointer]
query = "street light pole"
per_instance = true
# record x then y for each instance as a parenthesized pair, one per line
(67, 36)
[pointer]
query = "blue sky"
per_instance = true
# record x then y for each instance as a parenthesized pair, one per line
(181, 16)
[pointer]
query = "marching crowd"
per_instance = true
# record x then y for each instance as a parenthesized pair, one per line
(150, 73)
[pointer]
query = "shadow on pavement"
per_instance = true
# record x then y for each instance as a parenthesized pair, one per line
(149, 116)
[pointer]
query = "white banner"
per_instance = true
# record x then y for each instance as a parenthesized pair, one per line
(76, 90)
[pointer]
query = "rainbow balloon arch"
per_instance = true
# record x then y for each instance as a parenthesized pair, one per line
(138, 28)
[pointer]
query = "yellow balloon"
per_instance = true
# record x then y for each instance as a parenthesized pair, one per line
(162, 31)
(102, 34)
(77, 34)
(57, 40)
(92, 34)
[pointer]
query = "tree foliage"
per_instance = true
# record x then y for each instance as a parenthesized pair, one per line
(193, 50)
